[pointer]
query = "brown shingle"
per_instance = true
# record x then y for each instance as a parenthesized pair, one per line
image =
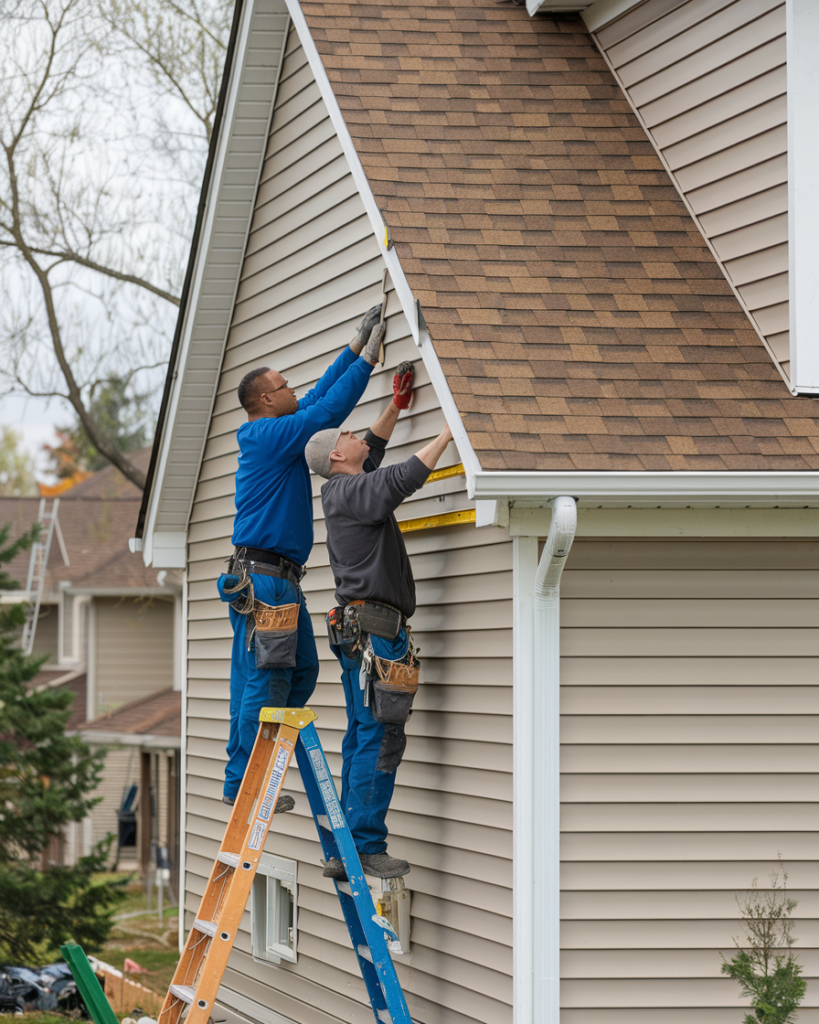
(555, 261)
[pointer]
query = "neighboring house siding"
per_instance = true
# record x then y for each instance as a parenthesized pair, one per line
(47, 634)
(121, 769)
(133, 651)
(689, 764)
(707, 79)
(312, 269)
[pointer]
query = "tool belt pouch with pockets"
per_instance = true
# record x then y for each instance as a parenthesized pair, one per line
(378, 619)
(275, 634)
(394, 685)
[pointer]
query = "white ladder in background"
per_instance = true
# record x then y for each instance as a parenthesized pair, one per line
(38, 566)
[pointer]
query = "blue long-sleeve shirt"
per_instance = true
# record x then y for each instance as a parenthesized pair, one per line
(273, 501)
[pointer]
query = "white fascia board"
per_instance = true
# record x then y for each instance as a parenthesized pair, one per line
(107, 738)
(205, 239)
(658, 489)
(409, 305)
(802, 21)
(604, 12)
(121, 591)
(544, 6)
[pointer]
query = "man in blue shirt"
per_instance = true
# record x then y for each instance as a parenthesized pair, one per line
(274, 661)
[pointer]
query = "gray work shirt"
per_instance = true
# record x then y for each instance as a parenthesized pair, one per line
(367, 552)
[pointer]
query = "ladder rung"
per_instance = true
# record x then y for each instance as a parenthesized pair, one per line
(184, 992)
(345, 888)
(384, 1015)
(364, 951)
(231, 859)
(324, 821)
(207, 927)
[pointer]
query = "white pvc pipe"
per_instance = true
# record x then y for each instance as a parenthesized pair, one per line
(546, 763)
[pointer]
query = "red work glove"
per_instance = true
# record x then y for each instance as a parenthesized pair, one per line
(402, 386)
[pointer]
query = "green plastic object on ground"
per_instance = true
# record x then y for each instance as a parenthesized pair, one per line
(90, 988)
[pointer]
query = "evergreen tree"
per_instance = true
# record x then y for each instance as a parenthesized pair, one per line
(47, 780)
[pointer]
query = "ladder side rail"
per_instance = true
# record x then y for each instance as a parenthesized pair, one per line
(330, 848)
(232, 905)
(31, 557)
(324, 790)
(217, 889)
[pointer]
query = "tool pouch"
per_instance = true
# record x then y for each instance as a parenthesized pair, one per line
(394, 685)
(378, 619)
(275, 634)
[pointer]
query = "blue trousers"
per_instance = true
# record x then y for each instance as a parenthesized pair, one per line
(251, 688)
(371, 753)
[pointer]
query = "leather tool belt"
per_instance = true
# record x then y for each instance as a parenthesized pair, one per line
(265, 563)
(346, 623)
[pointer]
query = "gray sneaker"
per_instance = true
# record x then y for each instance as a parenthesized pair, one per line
(334, 868)
(382, 865)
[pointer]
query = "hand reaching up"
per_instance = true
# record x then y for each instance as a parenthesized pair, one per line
(402, 385)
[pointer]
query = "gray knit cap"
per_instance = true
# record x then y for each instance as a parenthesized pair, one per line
(317, 451)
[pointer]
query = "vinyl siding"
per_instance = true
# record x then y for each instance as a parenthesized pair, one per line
(689, 762)
(134, 650)
(707, 78)
(312, 268)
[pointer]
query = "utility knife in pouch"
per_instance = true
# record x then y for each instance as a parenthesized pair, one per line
(276, 635)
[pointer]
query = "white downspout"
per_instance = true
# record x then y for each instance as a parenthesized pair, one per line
(546, 763)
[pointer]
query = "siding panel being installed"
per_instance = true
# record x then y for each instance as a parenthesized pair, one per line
(688, 765)
(707, 79)
(312, 269)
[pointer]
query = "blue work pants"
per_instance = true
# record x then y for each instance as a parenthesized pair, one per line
(251, 688)
(371, 753)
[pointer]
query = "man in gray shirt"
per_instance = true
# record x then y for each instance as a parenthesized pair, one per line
(372, 575)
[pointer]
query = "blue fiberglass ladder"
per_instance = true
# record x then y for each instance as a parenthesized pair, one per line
(199, 973)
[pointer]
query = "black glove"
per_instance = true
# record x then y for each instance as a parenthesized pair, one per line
(373, 350)
(371, 318)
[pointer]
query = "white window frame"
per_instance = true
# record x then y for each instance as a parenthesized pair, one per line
(274, 932)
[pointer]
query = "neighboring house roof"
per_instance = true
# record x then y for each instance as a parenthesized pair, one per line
(96, 518)
(74, 680)
(579, 316)
(150, 721)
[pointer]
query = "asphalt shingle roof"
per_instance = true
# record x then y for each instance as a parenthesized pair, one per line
(579, 316)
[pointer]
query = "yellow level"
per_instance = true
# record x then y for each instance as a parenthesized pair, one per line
(444, 474)
(466, 515)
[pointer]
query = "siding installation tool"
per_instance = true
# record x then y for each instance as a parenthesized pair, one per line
(382, 355)
(199, 973)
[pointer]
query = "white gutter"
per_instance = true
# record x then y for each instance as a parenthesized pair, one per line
(536, 835)
(676, 489)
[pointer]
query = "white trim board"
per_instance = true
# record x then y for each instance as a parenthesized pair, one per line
(681, 489)
(201, 387)
(673, 522)
(803, 193)
(402, 289)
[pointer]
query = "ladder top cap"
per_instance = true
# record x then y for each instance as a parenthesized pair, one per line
(296, 718)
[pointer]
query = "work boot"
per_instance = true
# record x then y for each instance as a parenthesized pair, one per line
(334, 868)
(284, 803)
(382, 865)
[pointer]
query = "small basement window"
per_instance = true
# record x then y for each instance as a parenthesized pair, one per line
(273, 915)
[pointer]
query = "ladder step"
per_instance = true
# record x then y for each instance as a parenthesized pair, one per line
(324, 821)
(207, 927)
(384, 1015)
(184, 992)
(231, 859)
(345, 888)
(364, 951)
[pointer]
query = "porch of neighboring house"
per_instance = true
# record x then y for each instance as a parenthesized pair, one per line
(140, 784)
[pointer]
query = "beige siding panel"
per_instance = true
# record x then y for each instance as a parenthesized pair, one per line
(707, 78)
(134, 650)
(311, 270)
(687, 765)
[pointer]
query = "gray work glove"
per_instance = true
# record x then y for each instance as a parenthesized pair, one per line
(372, 352)
(371, 318)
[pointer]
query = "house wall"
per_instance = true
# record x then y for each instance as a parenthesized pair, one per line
(46, 636)
(312, 268)
(689, 765)
(708, 80)
(133, 650)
